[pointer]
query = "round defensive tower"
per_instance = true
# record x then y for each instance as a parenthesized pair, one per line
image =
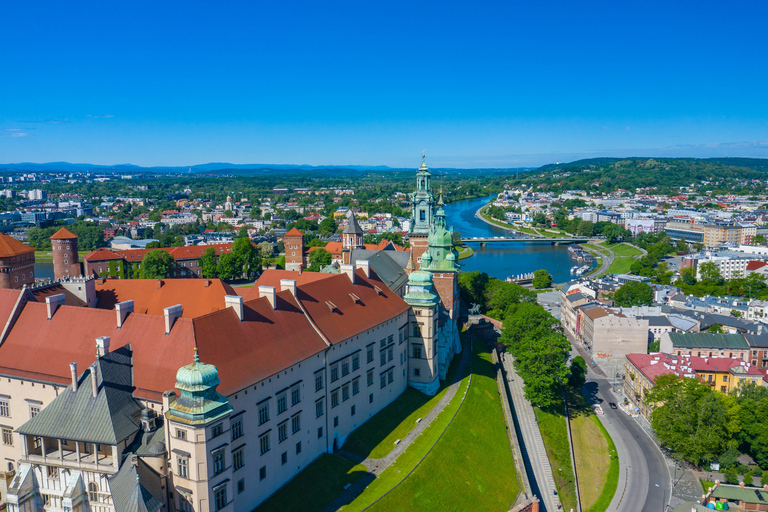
(66, 262)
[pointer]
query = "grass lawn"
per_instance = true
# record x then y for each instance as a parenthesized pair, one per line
(621, 265)
(376, 437)
(597, 463)
(316, 486)
(623, 249)
(465, 252)
(471, 467)
(555, 435)
(706, 485)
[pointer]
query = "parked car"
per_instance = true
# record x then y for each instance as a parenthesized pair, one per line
(613, 405)
(598, 409)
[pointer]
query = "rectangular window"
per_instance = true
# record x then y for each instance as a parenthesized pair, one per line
(264, 413)
(417, 352)
(7, 437)
(319, 409)
(382, 343)
(345, 392)
(5, 408)
(298, 448)
(282, 403)
(319, 432)
(399, 337)
(263, 472)
(369, 377)
(390, 339)
(237, 459)
(318, 381)
(355, 362)
(182, 467)
(390, 376)
(181, 434)
(355, 386)
(237, 428)
(383, 357)
(240, 485)
(335, 421)
(221, 497)
(282, 431)
(353, 411)
(284, 458)
(390, 353)
(218, 461)
(295, 395)
(264, 443)
(344, 368)
(369, 353)
(382, 380)
(334, 398)
(370, 398)
(217, 430)
(296, 423)
(416, 372)
(335, 372)
(34, 410)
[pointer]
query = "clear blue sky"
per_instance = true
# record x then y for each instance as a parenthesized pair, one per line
(478, 84)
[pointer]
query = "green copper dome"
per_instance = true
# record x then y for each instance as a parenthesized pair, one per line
(199, 402)
(419, 289)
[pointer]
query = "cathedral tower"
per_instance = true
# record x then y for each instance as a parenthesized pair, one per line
(423, 211)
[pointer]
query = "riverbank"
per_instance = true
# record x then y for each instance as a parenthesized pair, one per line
(492, 222)
(465, 252)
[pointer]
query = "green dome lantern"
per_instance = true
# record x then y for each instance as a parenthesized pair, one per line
(419, 289)
(199, 402)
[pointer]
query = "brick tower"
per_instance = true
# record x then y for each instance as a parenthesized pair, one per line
(66, 261)
(294, 249)
(17, 263)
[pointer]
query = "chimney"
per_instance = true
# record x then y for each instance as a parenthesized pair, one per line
(270, 292)
(366, 266)
(288, 284)
(235, 302)
(207, 283)
(168, 397)
(741, 484)
(350, 271)
(171, 314)
(53, 302)
(94, 380)
(102, 345)
(73, 371)
(123, 309)
(159, 283)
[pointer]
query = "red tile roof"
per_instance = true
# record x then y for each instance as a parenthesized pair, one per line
(294, 232)
(9, 246)
(754, 265)
(654, 365)
(136, 255)
(63, 233)
(199, 296)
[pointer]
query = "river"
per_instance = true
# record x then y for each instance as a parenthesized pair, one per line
(500, 259)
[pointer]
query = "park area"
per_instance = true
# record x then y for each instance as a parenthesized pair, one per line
(624, 256)
(461, 461)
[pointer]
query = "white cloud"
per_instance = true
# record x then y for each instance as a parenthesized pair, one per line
(104, 116)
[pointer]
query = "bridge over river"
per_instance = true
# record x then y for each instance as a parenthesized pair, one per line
(553, 240)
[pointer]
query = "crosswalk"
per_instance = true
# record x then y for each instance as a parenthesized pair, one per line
(538, 464)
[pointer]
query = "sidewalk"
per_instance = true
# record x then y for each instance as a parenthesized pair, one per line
(534, 444)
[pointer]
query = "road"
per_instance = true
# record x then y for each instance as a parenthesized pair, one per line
(644, 478)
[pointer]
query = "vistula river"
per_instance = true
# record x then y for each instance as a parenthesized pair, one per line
(500, 259)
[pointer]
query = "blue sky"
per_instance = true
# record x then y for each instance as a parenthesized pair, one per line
(476, 84)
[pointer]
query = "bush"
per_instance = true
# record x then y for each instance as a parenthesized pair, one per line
(730, 476)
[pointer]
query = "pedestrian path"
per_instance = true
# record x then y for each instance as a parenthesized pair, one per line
(376, 466)
(537, 454)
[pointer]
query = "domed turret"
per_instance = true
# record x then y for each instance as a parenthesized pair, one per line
(199, 401)
(419, 289)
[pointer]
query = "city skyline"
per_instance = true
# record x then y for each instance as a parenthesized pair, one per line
(492, 85)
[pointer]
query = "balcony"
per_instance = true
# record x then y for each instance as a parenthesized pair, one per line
(52, 452)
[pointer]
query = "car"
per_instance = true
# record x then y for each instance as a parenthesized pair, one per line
(613, 405)
(598, 409)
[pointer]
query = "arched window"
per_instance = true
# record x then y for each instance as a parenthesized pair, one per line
(93, 492)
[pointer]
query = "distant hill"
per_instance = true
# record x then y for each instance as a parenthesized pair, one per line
(661, 174)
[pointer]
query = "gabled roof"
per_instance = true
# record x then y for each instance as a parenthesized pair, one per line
(707, 340)
(9, 246)
(388, 265)
(199, 296)
(63, 233)
(108, 418)
(754, 265)
(128, 495)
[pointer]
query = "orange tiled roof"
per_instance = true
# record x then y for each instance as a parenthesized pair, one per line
(9, 246)
(63, 233)
(136, 255)
(199, 296)
(294, 232)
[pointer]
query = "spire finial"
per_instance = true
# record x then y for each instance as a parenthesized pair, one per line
(423, 155)
(197, 358)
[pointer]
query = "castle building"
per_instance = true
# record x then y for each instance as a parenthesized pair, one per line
(351, 238)
(66, 260)
(423, 209)
(17, 263)
(202, 400)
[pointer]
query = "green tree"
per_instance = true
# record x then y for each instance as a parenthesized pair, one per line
(758, 240)
(208, 263)
(541, 279)
(228, 214)
(633, 293)
(229, 267)
(472, 287)
(731, 476)
(710, 272)
(242, 232)
(327, 227)
(246, 257)
(578, 372)
(318, 259)
(267, 250)
(764, 478)
(540, 219)
(156, 264)
(688, 276)
(689, 418)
